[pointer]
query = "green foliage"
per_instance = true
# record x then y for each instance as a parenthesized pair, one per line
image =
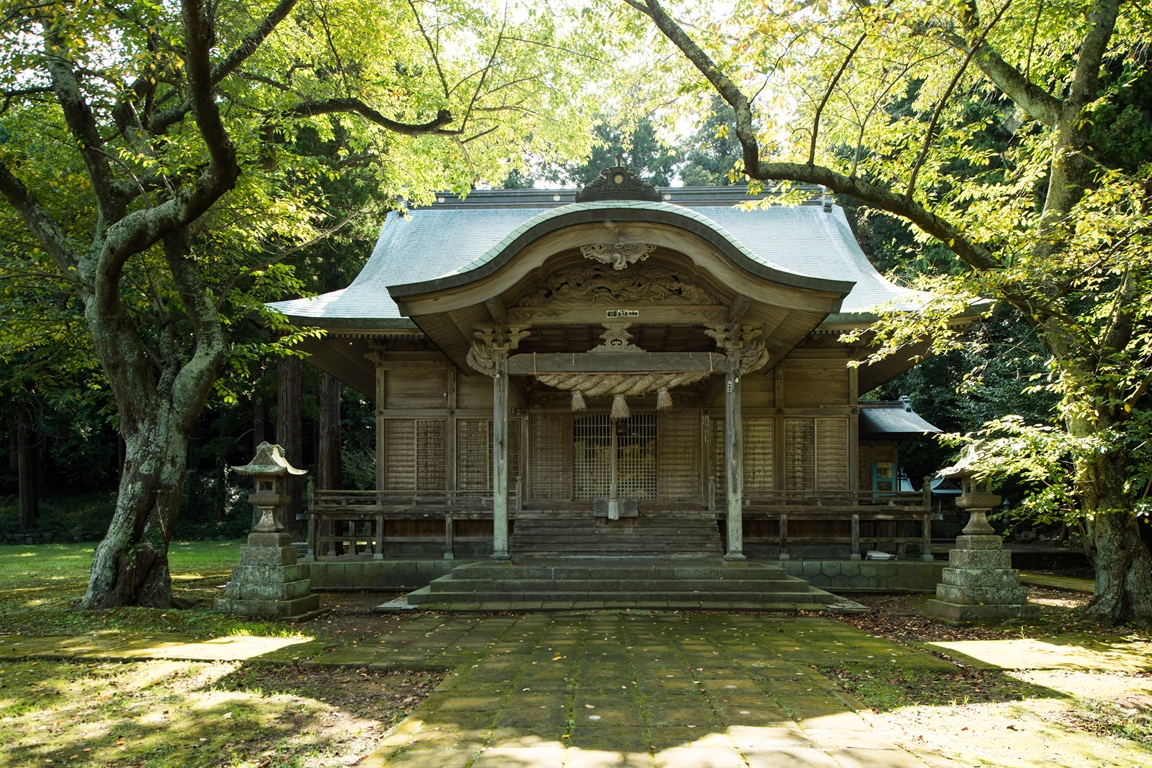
(1018, 137)
(638, 144)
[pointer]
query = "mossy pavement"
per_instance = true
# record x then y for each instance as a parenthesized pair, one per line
(619, 688)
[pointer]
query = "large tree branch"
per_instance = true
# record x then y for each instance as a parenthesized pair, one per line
(745, 131)
(1024, 93)
(192, 383)
(974, 254)
(110, 198)
(356, 106)
(251, 42)
(141, 229)
(1102, 21)
(878, 197)
(38, 221)
(828, 94)
(931, 132)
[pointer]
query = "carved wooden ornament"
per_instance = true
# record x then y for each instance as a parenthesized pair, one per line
(620, 256)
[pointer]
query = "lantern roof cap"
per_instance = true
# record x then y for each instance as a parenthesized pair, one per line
(269, 461)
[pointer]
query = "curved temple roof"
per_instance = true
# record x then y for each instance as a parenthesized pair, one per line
(459, 241)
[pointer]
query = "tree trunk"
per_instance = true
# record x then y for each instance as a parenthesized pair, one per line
(289, 414)
(27, 453)
(1123, 563)
(14, 448)
(257, 421)
(328, 468)
(130, 566)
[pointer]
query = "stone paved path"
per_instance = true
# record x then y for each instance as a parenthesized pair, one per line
(634, 689)
(592, 689)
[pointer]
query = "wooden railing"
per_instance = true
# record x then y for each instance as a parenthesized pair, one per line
(353, 522)
(852, 506)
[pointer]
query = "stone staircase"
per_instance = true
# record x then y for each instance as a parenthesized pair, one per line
(564, 534)
(538, 585)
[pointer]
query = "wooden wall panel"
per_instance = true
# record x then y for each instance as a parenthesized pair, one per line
(400, 455)
(415, 454)
(678, 455)
(474, 454)
(759, 455)
(810, 386)
(514, 431)
(757, 391)
(550, 438)
(832, 454)
(864, 464)
(474, 391)
(420, 389)
(431, 455)
(799, 455)
(716, 452)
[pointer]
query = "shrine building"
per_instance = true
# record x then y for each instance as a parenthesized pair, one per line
(618, 371)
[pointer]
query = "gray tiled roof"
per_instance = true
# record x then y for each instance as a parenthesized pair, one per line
(439, 241)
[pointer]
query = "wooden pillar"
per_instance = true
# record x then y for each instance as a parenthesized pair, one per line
(783, 536)
(500, 458)
(490, 357)
(926, 547)
(289, 414)
(854, 435)
(378, 552)
(381, 395)
(448, 535)
(855, 537)
(328, 469)
(734, 459)
(450, 460)
(27, 454)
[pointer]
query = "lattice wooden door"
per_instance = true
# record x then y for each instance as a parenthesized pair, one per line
(635, 457)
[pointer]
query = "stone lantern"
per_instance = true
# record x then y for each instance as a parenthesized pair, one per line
(268, 582)
(979, 582)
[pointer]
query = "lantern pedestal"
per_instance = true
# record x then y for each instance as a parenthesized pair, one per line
(268, 582)
(980, 583)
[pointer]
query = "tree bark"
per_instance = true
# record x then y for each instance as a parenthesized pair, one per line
(1123, 562)
(258, 435)
(28, 477)
(328, 461)
(130, 566)
(289, 415)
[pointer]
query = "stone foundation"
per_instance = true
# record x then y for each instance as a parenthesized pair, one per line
(268, 582)
(980, 583)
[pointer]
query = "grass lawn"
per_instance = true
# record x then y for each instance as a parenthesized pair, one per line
(172, 714)
(178, 714)
(34, 567)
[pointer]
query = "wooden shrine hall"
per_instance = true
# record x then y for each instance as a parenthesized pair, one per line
(617, 371)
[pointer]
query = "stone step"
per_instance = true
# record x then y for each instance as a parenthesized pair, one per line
(449, 584)
(586, 552)
(563, 534)
(425, 595)
(596, 570)
(545, 606)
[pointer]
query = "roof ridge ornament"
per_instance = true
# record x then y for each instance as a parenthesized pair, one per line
(618, 183)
